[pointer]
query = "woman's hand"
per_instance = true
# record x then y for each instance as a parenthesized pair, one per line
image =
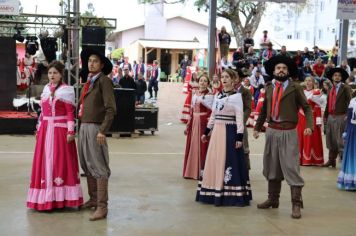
(70, 138)
(238, 144)
(204, 139)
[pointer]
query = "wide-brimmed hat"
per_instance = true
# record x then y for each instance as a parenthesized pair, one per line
(273, 61)
(332, 71)
(86, 53)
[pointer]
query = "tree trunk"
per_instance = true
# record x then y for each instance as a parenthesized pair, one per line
(251, 23)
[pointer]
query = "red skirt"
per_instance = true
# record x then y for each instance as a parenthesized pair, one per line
(310, 147)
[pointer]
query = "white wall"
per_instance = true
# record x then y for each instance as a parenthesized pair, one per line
(130, 36)
(316, 22)
(181, 29)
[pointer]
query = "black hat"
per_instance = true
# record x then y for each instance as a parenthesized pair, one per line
(332, 71)
(273, 61)
(86, 53)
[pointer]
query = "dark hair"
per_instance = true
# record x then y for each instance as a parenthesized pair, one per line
(59, 66)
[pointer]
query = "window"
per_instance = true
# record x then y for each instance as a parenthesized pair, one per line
(321, 6)
(297, 36)
(289, 36)
(320, 33)
(307, 35)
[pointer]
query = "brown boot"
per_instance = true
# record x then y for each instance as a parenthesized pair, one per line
(297, 201)
(102, 205)
(92, 191)
(332, 159)
(274, 189)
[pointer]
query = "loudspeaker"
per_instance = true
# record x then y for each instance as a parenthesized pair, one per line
(124, 120)
(93, 36)
(8, 69)
(99, 48)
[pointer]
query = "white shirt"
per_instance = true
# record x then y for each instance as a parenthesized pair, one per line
(226, 64)
(262, 69)
(351, 51)
(256, 82)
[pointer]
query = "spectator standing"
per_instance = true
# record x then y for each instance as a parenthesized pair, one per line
(139, 68)
(264, 41)
(127, 81)
(153, 82)
(141, 88)
(183, 66)
(225, 40)
(248, 41)
(351, 55)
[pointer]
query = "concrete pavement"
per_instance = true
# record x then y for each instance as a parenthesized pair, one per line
(148, 196)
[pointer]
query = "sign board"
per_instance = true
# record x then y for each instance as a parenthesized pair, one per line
(9, 7)
(346, 9)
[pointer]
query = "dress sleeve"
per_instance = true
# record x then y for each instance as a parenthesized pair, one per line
(70, 118)
(239, 114)
(212, 117)
(40, 118)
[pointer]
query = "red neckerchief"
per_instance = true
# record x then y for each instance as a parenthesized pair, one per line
(277, 95)
(84, 92)
(154, 71)
(332, 100)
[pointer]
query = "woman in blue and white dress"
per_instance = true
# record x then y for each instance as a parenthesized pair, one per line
(225, 179)
(347, 176)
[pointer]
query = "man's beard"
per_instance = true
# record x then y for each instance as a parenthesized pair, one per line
(281, 78)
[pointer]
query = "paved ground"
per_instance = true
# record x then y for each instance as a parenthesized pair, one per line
(148, 196)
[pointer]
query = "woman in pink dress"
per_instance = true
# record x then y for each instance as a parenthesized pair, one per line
(55, 174)
(195, 151)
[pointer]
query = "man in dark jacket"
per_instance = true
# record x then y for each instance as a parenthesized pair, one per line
(127, 81)
(337, 103)
(141, 88)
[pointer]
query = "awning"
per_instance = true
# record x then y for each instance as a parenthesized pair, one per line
(170, 44)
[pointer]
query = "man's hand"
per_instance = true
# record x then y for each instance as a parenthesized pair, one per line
(100, 138)
(307, 131)
(256, 134)
(204, 139)
(238, 144)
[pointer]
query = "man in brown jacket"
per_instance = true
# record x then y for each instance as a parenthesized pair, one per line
(335, 114)
(246, 100)
(96, 112)
(281, 155)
